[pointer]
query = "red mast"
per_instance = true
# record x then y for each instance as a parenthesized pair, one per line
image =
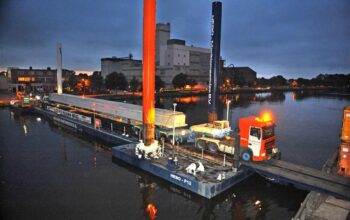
(148, 71)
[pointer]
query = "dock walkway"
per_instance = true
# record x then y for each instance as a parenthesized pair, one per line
(303, 177)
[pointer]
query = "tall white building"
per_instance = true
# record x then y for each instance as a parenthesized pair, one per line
(173, 56)
(162, 36)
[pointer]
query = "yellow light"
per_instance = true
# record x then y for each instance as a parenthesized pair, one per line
(266, 117)
(25, 129)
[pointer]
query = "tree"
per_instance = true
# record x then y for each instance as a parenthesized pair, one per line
(96, 81)
(134, 84)
(116, 81)
(180, 80)
(303, 82)
(278, 81)
(159, 83)
(83, 76)
(191, 82)
(71, 82)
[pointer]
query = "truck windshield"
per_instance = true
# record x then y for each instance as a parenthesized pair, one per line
(268, 132)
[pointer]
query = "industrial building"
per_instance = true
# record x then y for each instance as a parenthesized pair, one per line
(241, 76)
(3, 82)
(173, 56)
(42, 80)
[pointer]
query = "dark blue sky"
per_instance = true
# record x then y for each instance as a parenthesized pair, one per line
(292, 38)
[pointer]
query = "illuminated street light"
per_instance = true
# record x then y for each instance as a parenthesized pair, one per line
(94, 105)
(174, 125)
(228, 107)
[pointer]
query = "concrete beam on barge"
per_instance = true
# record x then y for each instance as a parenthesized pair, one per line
(119, 111)
(204, 184)
(102, 134)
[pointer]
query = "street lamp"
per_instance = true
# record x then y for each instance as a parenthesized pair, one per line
(94, 105)
(228, 107)
(174, 125)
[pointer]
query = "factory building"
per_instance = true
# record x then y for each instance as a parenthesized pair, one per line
(241, 76)
(126, 65)
(173, 56)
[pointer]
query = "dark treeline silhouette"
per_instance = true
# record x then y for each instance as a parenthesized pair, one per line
(333, 80)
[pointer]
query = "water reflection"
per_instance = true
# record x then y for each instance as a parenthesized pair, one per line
(307, 94)
(25, 129)
(300, 132)
(64, 150)
(188, 100)
(254, 198)
(147, 188)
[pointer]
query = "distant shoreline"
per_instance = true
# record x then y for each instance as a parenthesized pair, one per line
(332, 90)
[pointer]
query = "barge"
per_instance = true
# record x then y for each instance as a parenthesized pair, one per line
(99, 133)
(174, 168)
(171, 167)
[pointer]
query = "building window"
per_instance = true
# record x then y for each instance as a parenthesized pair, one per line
(25, 79)
(178, 55)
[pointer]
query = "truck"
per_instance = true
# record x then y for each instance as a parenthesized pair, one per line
(257, 138)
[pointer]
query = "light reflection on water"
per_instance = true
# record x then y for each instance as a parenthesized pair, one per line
(52, 173)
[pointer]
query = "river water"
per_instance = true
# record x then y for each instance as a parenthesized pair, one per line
(51, 173)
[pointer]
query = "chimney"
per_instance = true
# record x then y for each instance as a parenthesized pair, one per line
(59, 68)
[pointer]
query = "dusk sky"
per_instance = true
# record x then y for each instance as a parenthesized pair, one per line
(292, 38)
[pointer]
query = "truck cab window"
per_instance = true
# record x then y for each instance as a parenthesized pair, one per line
(255, 132)
(268, 132)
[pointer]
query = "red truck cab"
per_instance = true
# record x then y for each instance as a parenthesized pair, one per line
(257, 134)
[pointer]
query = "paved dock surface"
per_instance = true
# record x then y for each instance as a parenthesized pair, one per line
(321, 206)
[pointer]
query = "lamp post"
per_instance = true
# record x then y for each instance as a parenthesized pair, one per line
(174, 126)
(94, 105)
(228, 107)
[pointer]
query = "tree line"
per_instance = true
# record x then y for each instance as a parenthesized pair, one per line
(334, 80)
(113, 81)
(117, 81)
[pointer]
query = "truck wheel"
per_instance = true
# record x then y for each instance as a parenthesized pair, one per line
(213, 147)
(162, 136)
(170, 139)
(246, 155)
(201, 144)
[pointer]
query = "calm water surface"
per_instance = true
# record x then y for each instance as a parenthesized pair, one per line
(50, 173)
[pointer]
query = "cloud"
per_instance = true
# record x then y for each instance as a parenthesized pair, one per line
(293, 38)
